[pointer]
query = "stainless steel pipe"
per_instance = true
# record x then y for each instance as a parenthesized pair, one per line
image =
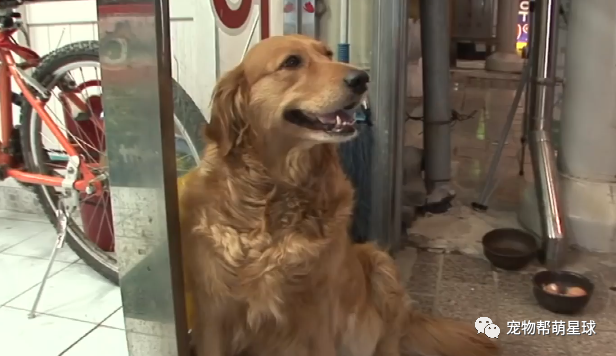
(543, 64)
(387, 100)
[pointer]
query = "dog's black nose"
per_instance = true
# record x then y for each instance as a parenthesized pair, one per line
(357, 81)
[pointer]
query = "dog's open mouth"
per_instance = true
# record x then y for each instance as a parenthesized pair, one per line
(340, 122)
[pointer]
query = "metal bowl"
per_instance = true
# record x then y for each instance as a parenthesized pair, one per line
(560, 303)
(509, 249)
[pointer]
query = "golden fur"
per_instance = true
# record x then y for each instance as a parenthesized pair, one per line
(265, 228)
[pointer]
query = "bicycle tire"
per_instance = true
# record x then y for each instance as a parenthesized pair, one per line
(185, 110)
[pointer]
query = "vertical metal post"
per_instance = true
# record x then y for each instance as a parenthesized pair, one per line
(343, 44)
(298, 13)
(387, 99)
(588, 125)
(437, 101)
(506, 59)
(542, 88)
(527, 95)
(140, 140)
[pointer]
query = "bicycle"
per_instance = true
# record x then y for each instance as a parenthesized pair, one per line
(71, 175)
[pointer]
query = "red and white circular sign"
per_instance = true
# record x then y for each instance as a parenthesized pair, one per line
(235, 17)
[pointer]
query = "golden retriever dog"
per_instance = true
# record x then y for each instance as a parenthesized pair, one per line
(265, 221)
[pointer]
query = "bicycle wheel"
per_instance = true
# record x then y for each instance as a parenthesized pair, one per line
(43, 154)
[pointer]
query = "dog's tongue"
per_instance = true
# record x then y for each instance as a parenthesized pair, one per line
(338, 118)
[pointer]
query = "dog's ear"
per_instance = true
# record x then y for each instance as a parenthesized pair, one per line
(227, 117)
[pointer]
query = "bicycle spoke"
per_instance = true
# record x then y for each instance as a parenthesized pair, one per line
(62, 125)
(99, 133)
(75, 106)
(85, 143)
(102, 220)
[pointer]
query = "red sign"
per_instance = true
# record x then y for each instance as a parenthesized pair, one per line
(308, 7)
(289, 7)
(523, 21)
(234, 19)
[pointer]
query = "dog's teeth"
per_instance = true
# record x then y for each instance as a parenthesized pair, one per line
(339, 124)
(348, 123)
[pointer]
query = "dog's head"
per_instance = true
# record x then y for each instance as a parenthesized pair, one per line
(286, 88)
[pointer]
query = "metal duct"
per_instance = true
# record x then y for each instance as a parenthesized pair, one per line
(543, 80)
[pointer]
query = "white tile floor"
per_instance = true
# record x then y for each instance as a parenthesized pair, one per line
(80, 312)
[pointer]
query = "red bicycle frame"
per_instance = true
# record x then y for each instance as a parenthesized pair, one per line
(8, 70)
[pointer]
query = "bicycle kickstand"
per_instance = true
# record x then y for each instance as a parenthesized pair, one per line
(67, 204)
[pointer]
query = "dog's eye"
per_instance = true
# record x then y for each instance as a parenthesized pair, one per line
(291, 62)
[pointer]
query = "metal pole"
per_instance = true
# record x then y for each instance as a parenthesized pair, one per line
(344, 21)
(525, 121)
(437, 102)
(588, 125)
(506, 59)
(344, 54)
(542, 153)
(140, 142)
(387, 99)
